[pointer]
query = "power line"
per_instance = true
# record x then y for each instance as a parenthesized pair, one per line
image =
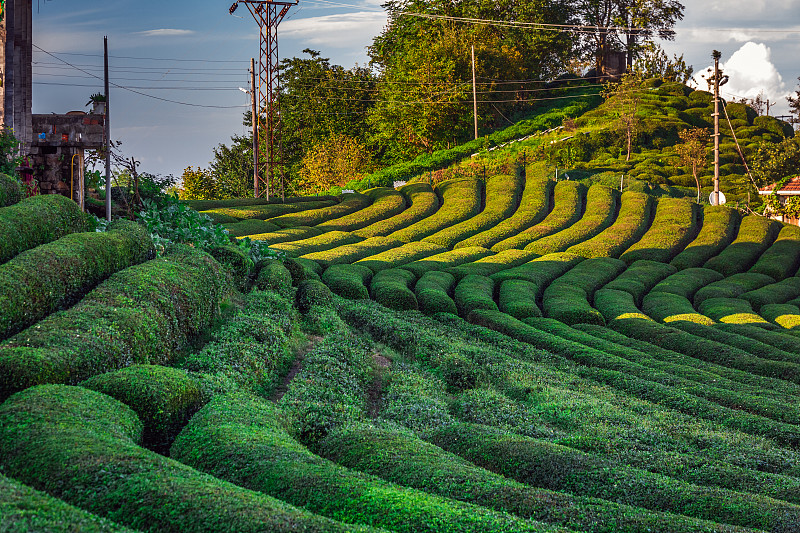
(147, 58)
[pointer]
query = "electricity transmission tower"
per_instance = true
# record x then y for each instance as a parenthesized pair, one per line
(269, 167)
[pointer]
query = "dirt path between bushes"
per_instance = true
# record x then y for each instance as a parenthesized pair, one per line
(280, 390)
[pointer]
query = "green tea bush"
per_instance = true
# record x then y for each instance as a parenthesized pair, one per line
(534, 205)
(687, 282)
(732, 287)
(433, 292)
(785, 315)
(250, 227)
(541, 272)
(25, 509)
(392, 288)
(422, 202)
(204, 205)
(773, 125)
(502, 196)
(474, 292)
(86, 445)
(460, 200)
(143, 314)
(272, 275)
(351, 202)
(38, 220)
(415, 398)
(740, 111)
(720, 225)
(10, 190)
(318, 243)
(492, 264)
(567, 298)
(311, 293)
(616, 303)
(635, 215)
(775, 293)
(286, 235)
(350, 253)
(568, 201)
(386, 202)
(446, 260)
(263, 211)
(302, 269)
(164, 398)
(348, 281)
(55, 275)
(601, 210)
(776, 337)
(675, 225)
(517, 297)
(640, 277)
(403, 254)
(756, 234)
(782, 259)
(669, 307)
(235, 261)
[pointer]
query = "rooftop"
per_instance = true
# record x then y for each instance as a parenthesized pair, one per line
(791, 187)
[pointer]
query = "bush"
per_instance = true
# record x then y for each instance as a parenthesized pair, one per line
(568, 200)
(635, 215)
(10, 190)
(302, 269)
(720, 224)
(422, 202)
(674, 226)
(286, 235)
(474, 292)
(433, 293)
(348, 281)
(144, 314)
(85, 445)
(601, 210)
(501, 199)
(533, 207)
(567, 298)
(38, 220)
(541, 272)
(616, 304)
(386, 203)
(318, 243)
(392, 288)
(403, 254)
(741, 112)
(755, 235)
(235, 260)
(446, 260)
(460, 200)
(55, 275)
(776, 293)
(640, 277)
(517, 297)
(687, 282)
(732, 287)
(204, 205)
(492, 264)
(669, 307)
(263, 211)
(351, 202)
(250, 227)
(312, 293)
(782, 259)
(272, 275)
(775, 337)
(350, 253)
(785, 315)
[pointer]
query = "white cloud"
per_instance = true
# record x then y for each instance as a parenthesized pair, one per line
(165, 32)
(338, 31)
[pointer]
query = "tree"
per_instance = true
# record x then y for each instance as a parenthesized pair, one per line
(332, 163)
(775, 161)
(623, 100)
(198, 184)
(794, 104)
(653, 62)
(693, 151)
(231, 169)
(9, 160)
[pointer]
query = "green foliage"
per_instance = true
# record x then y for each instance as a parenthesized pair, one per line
(351, 253)
(492, 264)
(446, 260)
(422, 201)
(774, 161)
(720, 224)
(674, 226)
(311, 293)
(732, 286)
(474, 292)
(785, 315)
(9, 160)
(351, 202)
(10, 190)
(782, 259)
(433, 293)
(567, 298)
(348, 281)
(669, 307)
(755, 235)
(295, 247)
(249, 227)
(776, 293)
(640, 277)
(633, 219)
(386, 202)
(541, 271)
(272, 275)
(205, 205)
(730, 311)
(263, 211)
(405, 253)
(171, 222)
(517, 297)
(392, 288)
(616, 304)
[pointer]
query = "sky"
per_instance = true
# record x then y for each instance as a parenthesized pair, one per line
(196, 53)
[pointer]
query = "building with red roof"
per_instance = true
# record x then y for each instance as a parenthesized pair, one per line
(789, 190)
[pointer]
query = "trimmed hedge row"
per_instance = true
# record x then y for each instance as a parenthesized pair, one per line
(502, 194)
(318, 243)
(785, 315)
(81, 446)
(460, 200)
(752, 346)
(403, 254)
(143, 314)
(446, 260)
(237, 438)
(517, 298)
(733, 286)
(351, 202)
(720, 225)
(474, 292)
(350, 253)
(39, 281)
(433, 293)
(223, 215)
(756, 234)
(24, 509)
(777, 337)
(205, 205)
(286, 235)
(407, 460)
(392, 288)
(669, 307)
(250, 227)
(542, 271)
(38, 220)
(540, 463)
(687, 282)
(601, 210)
(10, 190)
(775, 293)
(568, 298)
(633, 220)
(782, 259)
(302, 269)
(674, 226)
(386, 202)
(640, 278)
(614, 304)
(730, 311)
(533, 207)
(164, 398)
(422, 202)
(492, 264)
(348, 281)
(569, 198)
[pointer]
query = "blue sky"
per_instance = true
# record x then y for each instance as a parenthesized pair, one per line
(196, 53)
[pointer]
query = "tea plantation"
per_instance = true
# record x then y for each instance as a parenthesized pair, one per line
(481, 355)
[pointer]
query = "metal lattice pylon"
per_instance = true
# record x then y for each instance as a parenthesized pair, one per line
(268, 15)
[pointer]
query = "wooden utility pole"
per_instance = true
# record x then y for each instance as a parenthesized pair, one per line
(254, 119)
(717, 79)
(474, 93)
(108, 133)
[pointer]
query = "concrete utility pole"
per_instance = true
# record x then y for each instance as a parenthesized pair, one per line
(108, 134)
(474, 94)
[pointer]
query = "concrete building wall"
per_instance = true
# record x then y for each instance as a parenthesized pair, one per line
(17, 69)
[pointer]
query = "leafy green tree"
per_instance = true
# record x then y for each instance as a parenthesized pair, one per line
(232, 167)
(198, 184)
(775, 161)
(653, 62)
(622, 102)
(332, 163)
(693, 151)
(794, 104)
